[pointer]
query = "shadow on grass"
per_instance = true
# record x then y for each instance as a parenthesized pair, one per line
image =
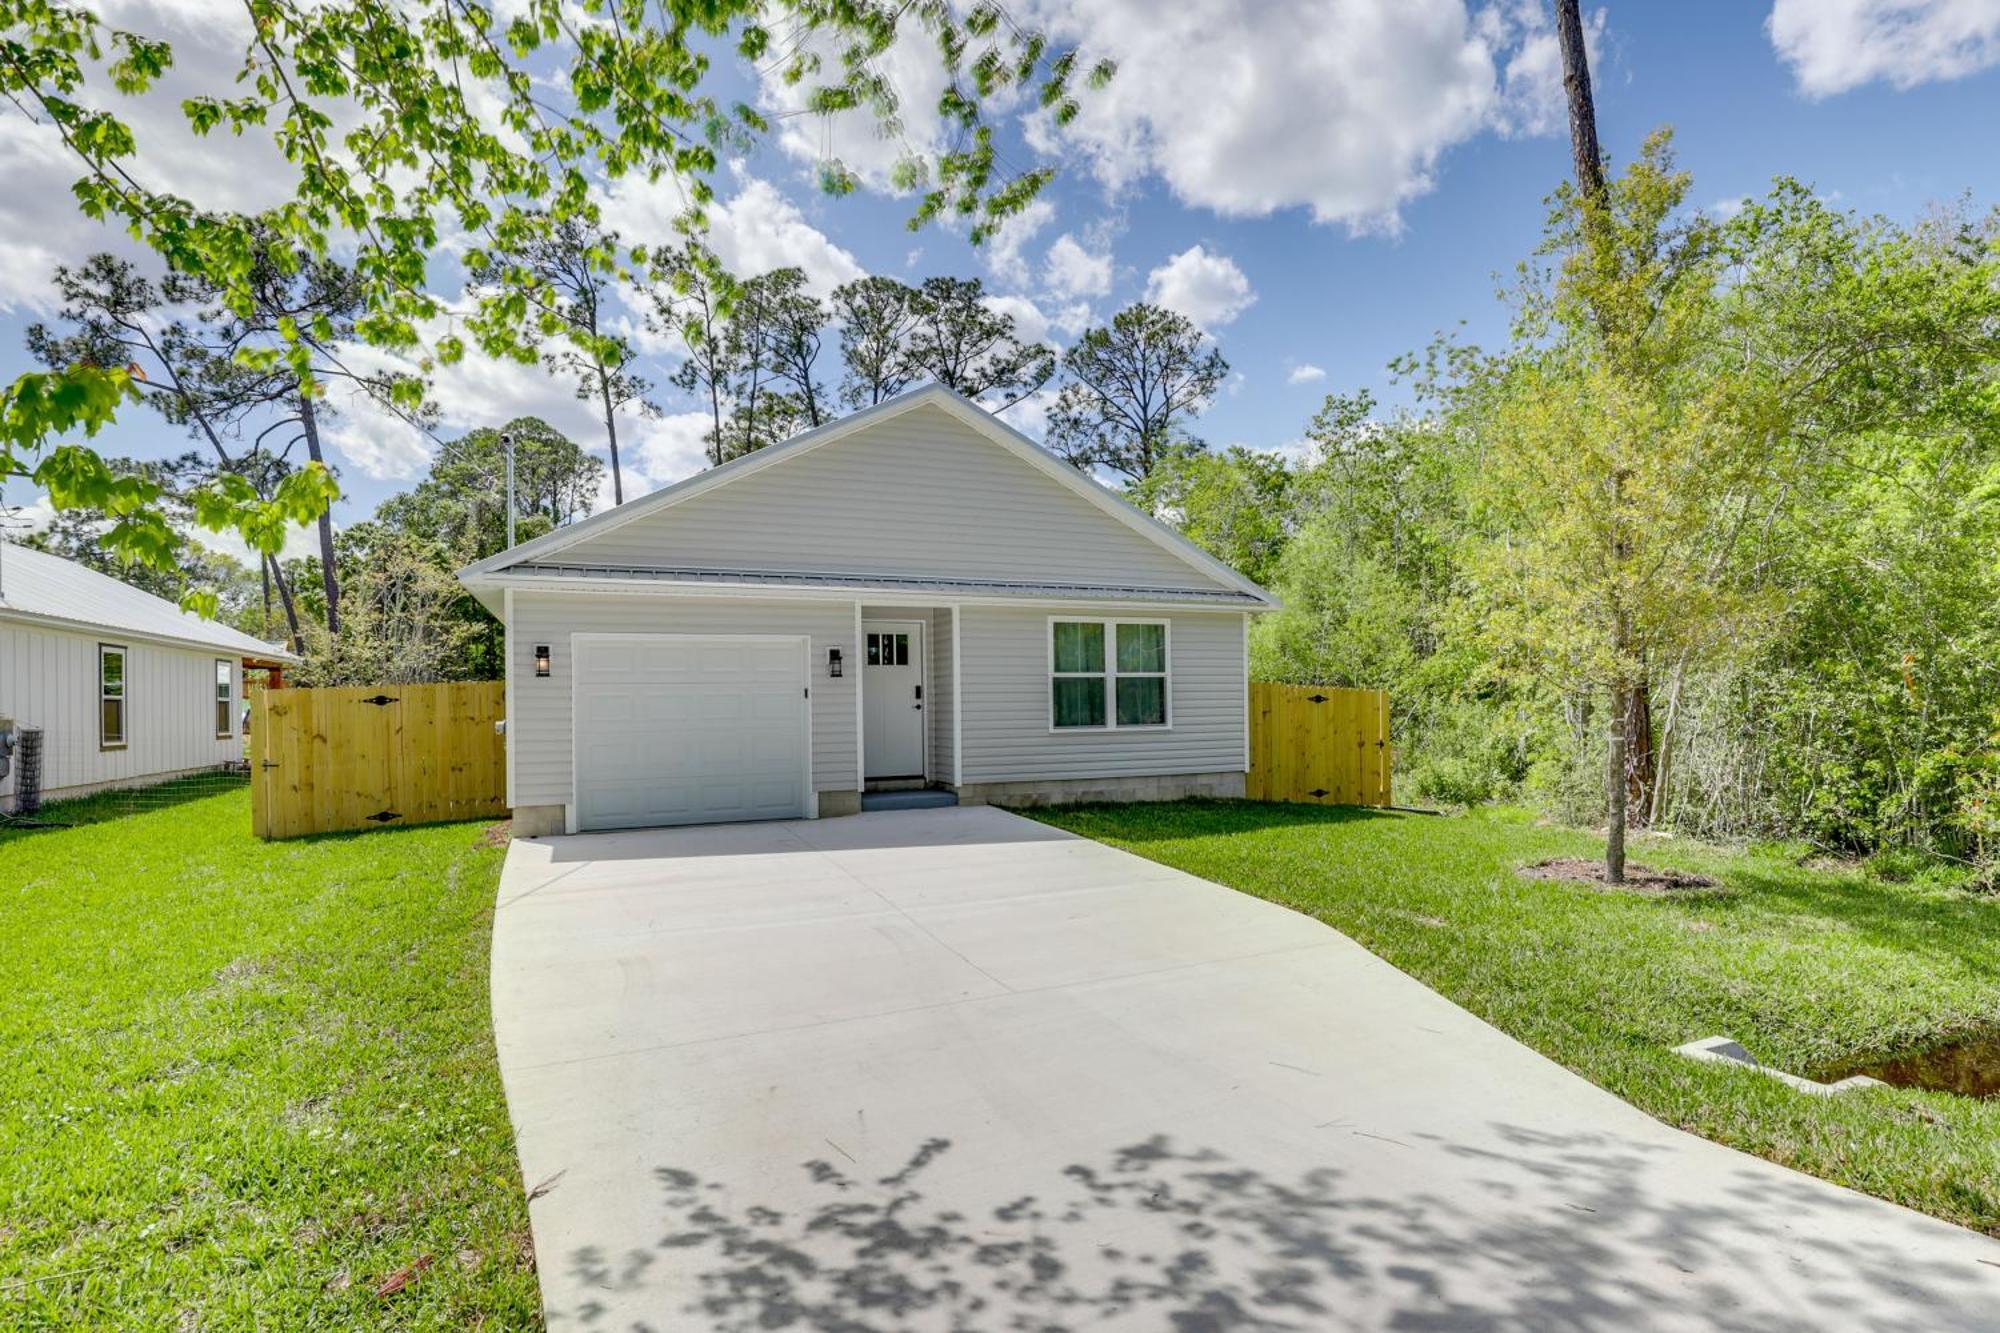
(1160, 1235)
(1955, 929)
(126, 802)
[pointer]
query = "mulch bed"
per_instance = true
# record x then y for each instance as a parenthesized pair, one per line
(1638, 879)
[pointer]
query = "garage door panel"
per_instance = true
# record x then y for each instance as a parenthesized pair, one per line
(696, 730)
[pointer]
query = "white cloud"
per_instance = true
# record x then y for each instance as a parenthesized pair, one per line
(1030, 324)
(378, 442)
(1342, 109)
(670, 447)
(1836, 45)
(1073, 271)
(1305, 374)
(1208, 288)
(758, 229)
(1003, 249)
(39, 222)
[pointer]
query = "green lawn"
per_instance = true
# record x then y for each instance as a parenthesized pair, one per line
(1805, 967)
(245, 1084)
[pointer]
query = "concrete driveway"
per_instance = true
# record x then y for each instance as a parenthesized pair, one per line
(952, 1069)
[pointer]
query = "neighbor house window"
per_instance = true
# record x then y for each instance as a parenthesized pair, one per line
(1107, 673)
(224, 697)
(110, 696)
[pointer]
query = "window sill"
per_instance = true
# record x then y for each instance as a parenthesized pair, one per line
(1099, 731)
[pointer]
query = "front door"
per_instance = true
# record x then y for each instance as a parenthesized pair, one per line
(892, 698)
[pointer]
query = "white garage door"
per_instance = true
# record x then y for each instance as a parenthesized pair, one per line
(677, 729)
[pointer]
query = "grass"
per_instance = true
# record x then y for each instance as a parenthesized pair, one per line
(246, 1084)
(1809, 968)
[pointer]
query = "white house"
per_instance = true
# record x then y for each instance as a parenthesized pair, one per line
(914, 596)
(126, 688)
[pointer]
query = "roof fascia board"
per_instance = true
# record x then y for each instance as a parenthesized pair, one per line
(780, 592)
(98, 628)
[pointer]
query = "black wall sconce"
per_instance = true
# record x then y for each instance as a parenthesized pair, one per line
(833, 663)
(541, 659)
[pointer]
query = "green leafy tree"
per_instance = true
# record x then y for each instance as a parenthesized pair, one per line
(112, 315)
(877, 318)
(578, 264)
(965, 344)
(1131, 387)
(398, 120)
(461, 507)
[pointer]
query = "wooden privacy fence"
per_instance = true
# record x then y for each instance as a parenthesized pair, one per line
(1317, 744)
(368, 756)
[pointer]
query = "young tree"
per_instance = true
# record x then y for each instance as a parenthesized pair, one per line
(578, 263)
(1131, 388)
(877, 317)
(1621, 460)
(965, 344)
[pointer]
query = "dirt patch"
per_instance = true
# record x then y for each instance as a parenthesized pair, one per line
(497, 835)
(1638, 879)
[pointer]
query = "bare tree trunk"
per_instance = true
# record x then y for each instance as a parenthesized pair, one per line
(1582, 110)
(310, 422)
(274, 573)
(611, 432)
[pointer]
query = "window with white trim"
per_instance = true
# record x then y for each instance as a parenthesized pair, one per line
(225, 692)
(1107, 674)
(110, 696)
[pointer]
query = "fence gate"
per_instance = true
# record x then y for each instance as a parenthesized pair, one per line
(1319, 745)
(367, 756)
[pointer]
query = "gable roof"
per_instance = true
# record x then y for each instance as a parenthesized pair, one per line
(543, 554)
(47, 589)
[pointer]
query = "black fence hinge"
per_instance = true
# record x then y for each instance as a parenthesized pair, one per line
(383, 816)
(1315, 698)
(1317, 791)
(381, 700)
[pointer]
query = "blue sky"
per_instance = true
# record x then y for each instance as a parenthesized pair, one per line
(1323, 185)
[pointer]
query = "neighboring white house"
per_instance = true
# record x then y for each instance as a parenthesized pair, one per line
(126, 688)
(916, 595)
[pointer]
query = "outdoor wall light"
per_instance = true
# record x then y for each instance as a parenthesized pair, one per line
(833, 663)
(541, 659)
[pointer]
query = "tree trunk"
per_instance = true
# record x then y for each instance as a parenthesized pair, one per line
(274, 573)
(329, 576)
(1642, 758)
(1614, 789)
(1589, 160)
(611, 432)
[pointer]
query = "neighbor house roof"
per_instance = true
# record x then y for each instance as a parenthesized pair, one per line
(61, 594)
(539, 559)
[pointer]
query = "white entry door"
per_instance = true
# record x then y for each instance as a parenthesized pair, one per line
(689, 729)
(892, 698)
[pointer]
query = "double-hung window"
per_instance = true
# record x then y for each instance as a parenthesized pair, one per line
(1107, 674)
(110, 696)
(224, 697)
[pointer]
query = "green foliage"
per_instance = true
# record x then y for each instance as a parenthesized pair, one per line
(1130, 389)
(399, 121)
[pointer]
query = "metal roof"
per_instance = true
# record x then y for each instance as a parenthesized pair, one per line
(47, 588)
(891, 583)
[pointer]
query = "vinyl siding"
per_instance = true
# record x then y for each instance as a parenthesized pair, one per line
(918, 494)
(48, 679)
(539, 725)
(938, 638)
(1006, 700)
